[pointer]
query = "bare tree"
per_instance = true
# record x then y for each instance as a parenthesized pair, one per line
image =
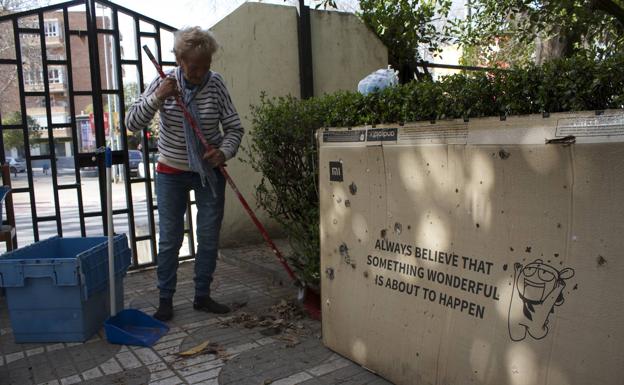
(30, 53)
(12, 6)
(556, 29)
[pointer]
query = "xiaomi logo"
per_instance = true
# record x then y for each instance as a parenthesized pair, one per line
(335, 172)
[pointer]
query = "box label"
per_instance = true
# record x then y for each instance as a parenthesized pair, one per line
(611, 125)
(381, 135)
(344, 136)
(451, 134)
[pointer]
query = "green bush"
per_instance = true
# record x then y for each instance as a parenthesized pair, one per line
(283, 146)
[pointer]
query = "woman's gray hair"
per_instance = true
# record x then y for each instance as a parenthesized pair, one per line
(194, 39)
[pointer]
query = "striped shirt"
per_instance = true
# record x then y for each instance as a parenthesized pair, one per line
(214, 105)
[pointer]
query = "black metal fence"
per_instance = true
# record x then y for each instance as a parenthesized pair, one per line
(68, 73)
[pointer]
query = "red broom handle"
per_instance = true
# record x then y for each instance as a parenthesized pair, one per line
(210, 150)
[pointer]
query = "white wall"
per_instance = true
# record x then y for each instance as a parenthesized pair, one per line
(260, 53)
(344, 51)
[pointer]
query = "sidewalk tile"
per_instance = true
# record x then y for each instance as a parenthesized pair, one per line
(293, 380)
(252, 357)
(71, 380)
(111, 367)
(91, 374)
(328, 367)
(128, 360)
(175, 380)
(202, 377)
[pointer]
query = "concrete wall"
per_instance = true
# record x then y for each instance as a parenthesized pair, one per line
(344, 51)
(260, 54)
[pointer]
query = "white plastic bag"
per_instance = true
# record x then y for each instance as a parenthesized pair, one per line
(378, 80)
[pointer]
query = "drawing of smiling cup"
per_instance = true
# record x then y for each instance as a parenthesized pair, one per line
(537, 289)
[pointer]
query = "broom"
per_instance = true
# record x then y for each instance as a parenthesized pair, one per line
(311, 302)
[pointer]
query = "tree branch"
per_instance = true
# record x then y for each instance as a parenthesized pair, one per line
(611, 8)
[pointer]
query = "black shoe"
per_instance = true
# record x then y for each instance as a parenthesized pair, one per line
(165, 310)
(207, 304)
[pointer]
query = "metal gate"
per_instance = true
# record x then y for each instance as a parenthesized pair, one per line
(68, 72)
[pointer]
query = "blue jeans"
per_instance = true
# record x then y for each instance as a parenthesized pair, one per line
(172, 191)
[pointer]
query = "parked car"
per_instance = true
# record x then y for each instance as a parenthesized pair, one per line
(135, 158)
(88, 171)
(16, 165)
(135, 161)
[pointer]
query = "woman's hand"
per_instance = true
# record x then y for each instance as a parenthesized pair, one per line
(215, 157)
(168, 87)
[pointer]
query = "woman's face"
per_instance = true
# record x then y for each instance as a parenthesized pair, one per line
(195, 65)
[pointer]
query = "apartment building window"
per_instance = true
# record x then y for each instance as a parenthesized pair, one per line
(33, 77)
(51, 28)
(55, 76)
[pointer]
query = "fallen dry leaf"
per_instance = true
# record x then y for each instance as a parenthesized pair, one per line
(223, 354)
(290, 340)
(206, 347)
(195, 350)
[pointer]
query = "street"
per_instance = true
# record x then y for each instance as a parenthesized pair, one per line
(68, 203)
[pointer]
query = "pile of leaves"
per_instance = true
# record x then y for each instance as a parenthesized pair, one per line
(284, 320)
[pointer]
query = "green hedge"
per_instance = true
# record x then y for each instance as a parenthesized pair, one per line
(283, 149)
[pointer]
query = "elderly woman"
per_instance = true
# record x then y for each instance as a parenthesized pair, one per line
(183, 163)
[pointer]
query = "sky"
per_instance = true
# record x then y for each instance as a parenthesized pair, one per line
(177, 14)
(205, 13)
(183, 13)
(180, 13)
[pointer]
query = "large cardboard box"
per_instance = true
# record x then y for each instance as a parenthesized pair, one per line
(480, 252)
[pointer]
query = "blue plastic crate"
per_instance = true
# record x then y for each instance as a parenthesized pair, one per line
(57, 289)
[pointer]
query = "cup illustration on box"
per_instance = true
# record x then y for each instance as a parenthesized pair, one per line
(537, 289)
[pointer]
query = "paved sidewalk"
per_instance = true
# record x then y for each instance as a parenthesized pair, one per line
(265, 341)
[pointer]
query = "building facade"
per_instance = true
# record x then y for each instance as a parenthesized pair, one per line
(57, 79)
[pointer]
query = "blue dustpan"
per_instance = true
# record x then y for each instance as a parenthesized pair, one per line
(130, 326)
(133, 327)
